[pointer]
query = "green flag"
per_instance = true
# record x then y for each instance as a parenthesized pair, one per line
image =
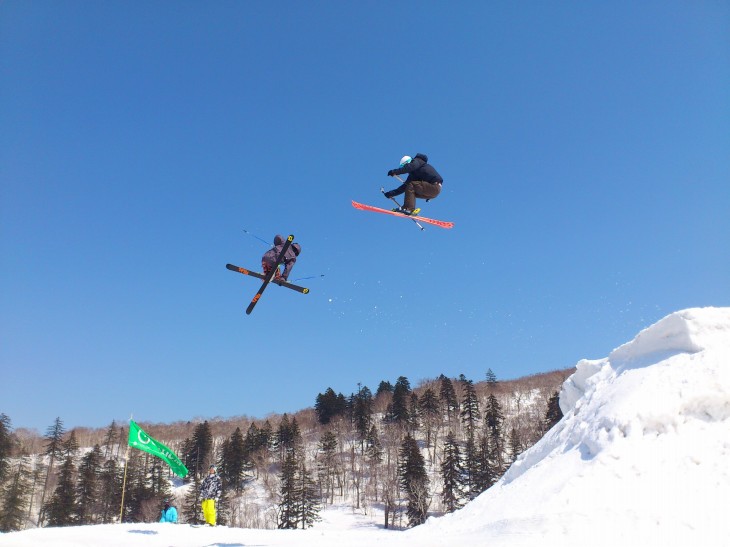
(139, 439)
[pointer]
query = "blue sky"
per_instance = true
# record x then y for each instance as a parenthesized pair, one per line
(584, 148)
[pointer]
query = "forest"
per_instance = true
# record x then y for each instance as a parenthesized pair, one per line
(403, 453)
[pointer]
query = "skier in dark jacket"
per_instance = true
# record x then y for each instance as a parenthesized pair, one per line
(423, 182)
(269, 259)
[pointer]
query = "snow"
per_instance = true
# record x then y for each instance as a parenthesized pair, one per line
(640, 458)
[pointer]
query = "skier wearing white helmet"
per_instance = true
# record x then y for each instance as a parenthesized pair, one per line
(423, 182)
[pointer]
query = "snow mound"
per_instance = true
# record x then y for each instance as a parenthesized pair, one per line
(640, 456)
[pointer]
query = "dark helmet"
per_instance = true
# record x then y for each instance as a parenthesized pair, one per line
(297, 248)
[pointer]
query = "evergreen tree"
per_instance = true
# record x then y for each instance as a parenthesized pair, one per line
(308, 505)
(62, 508)
(110, 438)
(266, 435)
(5, 446)
(384, 387)
(414, 481)
(288, 436)
(16, 497)
(54, 451)
(469, 407)
(491, 380)
(327, 463)
(288, 493)
(223, 510)
(472, 467)
(374, 450)
(485, 473)
(157, 480)
(429, 403)
(469, 418)
(515, 445)
(414, 413)
(251, 442)
(234, 462)
(452, 474)
(89, 486)
(447, 395)
(187, 452)
(494, 418)
(430, 412)
(122, 436)
(70, 446)
(553, 414)
(329, 405)
(258, 443)
(298, 498)
(373, 456)
(198, 455)
(141, 495)
(54, 440)
(110, 491)
(362, 411)
(191, 509)
(399, 407)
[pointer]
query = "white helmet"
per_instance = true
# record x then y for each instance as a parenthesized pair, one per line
(405, 160)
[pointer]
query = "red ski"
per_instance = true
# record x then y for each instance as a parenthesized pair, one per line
(439, 223)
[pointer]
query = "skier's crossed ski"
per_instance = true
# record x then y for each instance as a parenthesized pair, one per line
(280, 282)
(271, 274)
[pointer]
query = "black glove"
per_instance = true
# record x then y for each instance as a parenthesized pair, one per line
(389, 194)
(391, 172)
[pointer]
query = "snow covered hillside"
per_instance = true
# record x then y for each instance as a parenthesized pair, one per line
(641, 457)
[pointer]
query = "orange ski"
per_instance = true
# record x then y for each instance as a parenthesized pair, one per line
(439, 223)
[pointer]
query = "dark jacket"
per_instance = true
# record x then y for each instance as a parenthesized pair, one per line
(417, 169)
(290, 257)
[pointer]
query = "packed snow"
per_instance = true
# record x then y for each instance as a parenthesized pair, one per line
(641, 457)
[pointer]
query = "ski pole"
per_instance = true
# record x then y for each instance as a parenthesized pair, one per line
(308, 277)
(257, 237)
(398, 204)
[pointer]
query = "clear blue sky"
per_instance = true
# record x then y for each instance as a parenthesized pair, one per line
(585, 148)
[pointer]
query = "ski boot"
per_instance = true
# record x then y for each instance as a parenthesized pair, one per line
(408, 212)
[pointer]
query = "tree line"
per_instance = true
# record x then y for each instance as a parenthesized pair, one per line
(412, 452)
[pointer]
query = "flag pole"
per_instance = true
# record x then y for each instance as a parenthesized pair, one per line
(124, 482)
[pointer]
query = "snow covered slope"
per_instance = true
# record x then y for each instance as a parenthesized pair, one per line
(641, 457)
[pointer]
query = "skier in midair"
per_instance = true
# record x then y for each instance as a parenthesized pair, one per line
(268, 261)
(423, 182)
